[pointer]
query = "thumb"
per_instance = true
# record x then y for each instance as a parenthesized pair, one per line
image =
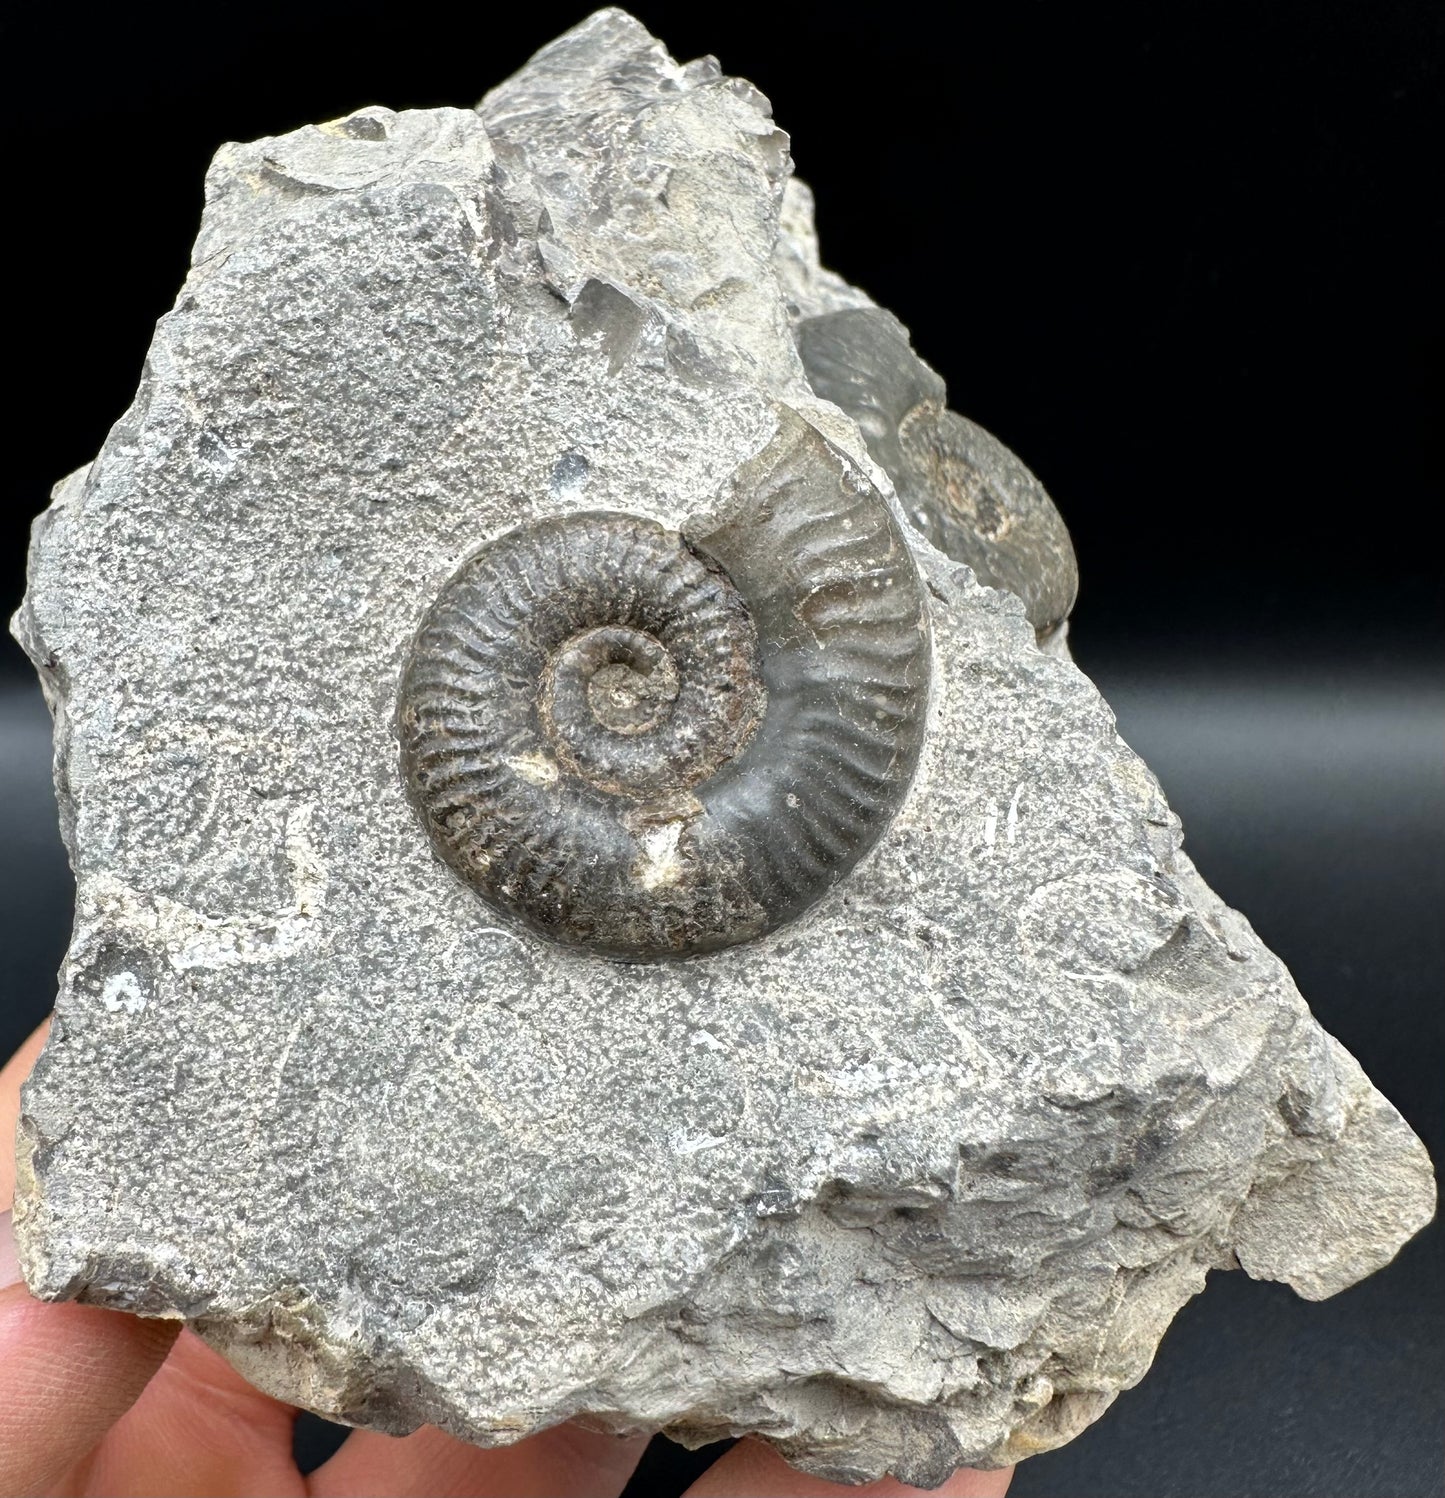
(67, 1374)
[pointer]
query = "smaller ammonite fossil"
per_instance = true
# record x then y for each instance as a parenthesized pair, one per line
(653, 745)
(958, 484)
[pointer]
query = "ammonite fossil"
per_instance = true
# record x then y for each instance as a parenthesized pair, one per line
(959, 485)
(652, 744)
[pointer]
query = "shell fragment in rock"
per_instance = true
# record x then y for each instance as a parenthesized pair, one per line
(652, 745)
(959, 485)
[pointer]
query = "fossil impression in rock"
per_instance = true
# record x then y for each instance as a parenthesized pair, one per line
(600, 892)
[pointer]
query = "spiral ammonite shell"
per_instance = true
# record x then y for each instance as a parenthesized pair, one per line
(650, 745)
(959, 485)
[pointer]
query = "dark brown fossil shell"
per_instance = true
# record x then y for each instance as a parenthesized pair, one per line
(959, 485)
(652, 745)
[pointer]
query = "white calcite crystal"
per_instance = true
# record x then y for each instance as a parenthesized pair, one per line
(917, 1179)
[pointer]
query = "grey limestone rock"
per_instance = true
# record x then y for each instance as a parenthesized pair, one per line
(916, 1179)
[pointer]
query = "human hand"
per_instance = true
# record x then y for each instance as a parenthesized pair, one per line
(96, 1402)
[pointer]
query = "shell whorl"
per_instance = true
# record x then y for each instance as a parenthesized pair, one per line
(652, 745)
(958, 484)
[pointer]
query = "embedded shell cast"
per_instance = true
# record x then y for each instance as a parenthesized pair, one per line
(915, 1179)
(651, 748)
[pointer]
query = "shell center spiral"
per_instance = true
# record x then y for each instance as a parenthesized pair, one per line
(625, 676)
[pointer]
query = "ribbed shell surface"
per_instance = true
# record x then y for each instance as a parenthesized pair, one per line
(650, 746)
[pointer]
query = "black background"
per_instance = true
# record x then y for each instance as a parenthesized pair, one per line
(1187, 260)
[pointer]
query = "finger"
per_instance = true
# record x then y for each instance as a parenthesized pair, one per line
(752, 1469)
(429, 1464)
(67, 1374)
(15, 1072)
(199, 1431)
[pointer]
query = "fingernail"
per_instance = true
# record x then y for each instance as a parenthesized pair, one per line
(9, 1259)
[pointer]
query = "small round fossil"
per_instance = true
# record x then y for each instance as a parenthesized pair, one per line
(977, 503)
(650, 747)
(959, 485)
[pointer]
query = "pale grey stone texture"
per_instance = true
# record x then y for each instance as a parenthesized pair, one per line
(918, 1180)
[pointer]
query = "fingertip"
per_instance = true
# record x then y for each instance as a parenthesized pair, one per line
(67, 1374)
(753, 1469)
(430, 1464)
(9, 1258)
(12, 1074)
